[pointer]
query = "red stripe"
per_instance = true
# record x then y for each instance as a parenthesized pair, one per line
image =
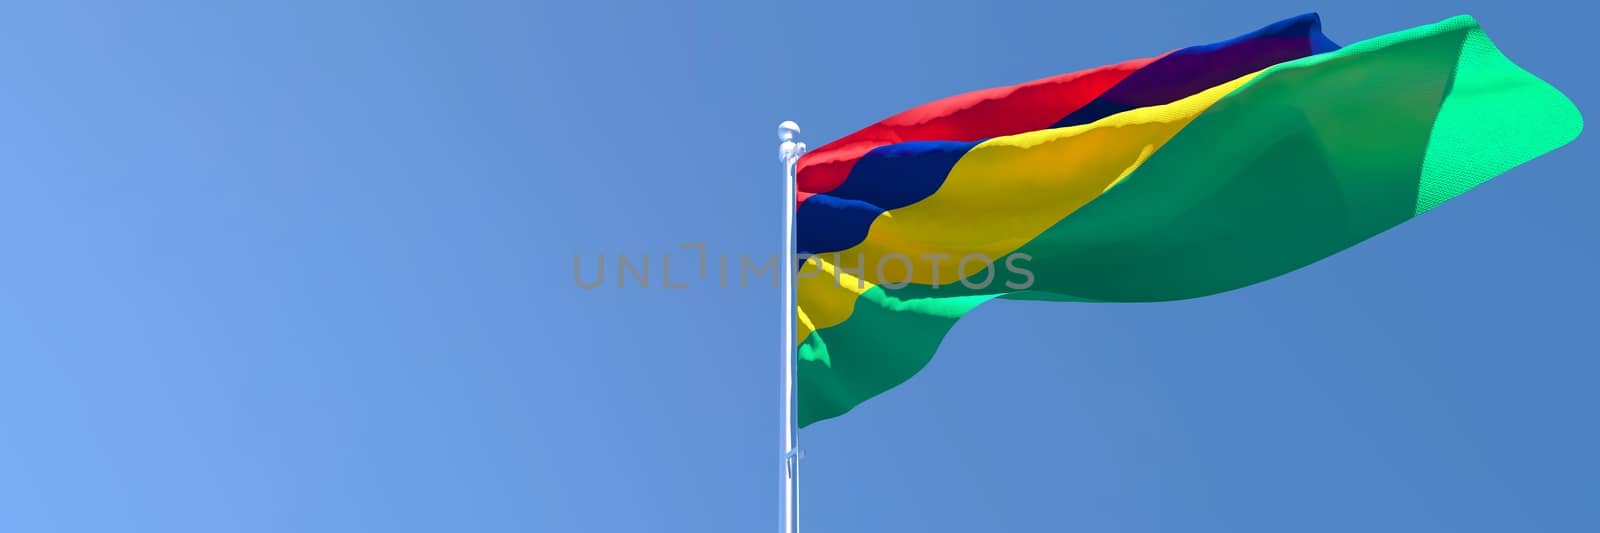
(971, 116)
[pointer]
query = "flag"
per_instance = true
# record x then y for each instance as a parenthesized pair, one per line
(1200, 171)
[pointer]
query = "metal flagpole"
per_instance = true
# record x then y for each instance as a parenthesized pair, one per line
(789, 152)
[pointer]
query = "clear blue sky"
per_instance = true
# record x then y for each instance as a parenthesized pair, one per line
(307, 266)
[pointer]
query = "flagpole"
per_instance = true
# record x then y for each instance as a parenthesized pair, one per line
(789, 151)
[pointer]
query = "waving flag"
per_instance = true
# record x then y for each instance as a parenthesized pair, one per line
(1196, 172)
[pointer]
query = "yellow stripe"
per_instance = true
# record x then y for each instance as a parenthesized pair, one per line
(825, 294)
(1002, 194)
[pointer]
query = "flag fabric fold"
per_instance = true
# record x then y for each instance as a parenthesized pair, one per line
(1196, 172)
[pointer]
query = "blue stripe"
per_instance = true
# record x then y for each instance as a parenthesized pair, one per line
(1197, 68)
(888, 177)
(826, 223)
(898, 175)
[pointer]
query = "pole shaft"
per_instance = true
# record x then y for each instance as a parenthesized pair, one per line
(789, 152)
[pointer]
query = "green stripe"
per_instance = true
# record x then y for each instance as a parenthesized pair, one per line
(1309, 158)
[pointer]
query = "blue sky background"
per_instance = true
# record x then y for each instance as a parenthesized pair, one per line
(307, 266)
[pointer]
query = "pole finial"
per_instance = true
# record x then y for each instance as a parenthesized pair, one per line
(788, 130)
(790, 147)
